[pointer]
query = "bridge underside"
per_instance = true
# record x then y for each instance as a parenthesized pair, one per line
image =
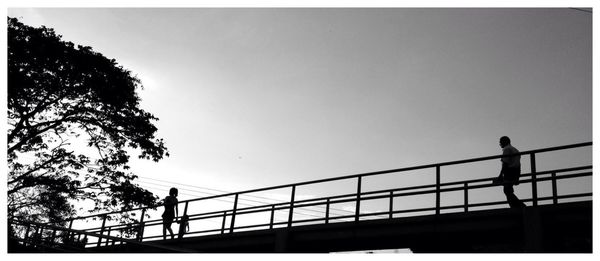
(559, 228)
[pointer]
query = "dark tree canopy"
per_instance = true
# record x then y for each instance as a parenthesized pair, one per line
(73, 120)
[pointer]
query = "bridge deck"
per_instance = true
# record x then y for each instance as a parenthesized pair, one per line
(564, 227)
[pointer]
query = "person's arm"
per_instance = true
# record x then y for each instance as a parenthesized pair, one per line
(176, 209)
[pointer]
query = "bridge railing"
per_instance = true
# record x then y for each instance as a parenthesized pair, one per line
(51, 238)
(226, 218)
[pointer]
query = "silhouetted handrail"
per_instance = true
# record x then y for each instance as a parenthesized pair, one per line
(448, 163)
(379, 194)
(436, 189)
(87, 233)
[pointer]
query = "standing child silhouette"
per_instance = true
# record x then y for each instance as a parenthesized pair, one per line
(171, 212)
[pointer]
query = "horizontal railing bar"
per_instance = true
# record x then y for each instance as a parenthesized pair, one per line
(386, 196)
(567, 176)
(584, 144)
(351, 197)
(412, 210)
(152, 237)
(394, 212)
(462, 182)
(217, 230)
(267, 208)
(370, 195)
(578, 195)
(522, 175)
(524, 181)
(51, 245)
(382, 213)
(252, 226)
(385, 193)
(100, 236)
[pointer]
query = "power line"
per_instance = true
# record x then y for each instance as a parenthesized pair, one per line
(582, 10)
(216, 199)
(170, 182)
(213, 221)
(207, 193)
(228, 201)
(92, 165)
(262, 202)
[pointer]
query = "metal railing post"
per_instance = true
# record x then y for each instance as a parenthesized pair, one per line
(466, 197)
(437, 189)
(70, 235)
(291, 212)
(327, 211)
(223, 223)
(26, 233)
(101, 230)
(533, 180)
(357, 213)
(554, 189)
(37, 236)
(391, 204)
(185, 208)
(235, 202)
(183, 220)
(272, 216)
(108, 234)
(142, 226)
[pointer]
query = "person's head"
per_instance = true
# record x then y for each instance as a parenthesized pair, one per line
(504, 140)
(173, 192)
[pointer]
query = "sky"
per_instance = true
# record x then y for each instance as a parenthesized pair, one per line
(256, 97)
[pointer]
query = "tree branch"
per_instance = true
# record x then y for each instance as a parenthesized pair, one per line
(24, 175)
(27, 115)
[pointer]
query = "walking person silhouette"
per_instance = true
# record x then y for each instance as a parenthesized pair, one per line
(171, 212)
(509, 175)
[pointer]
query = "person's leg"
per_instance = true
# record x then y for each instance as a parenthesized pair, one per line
(508, 192)
(164, 231)
(170, 231)
(511, 198)
(512, 176)
(169, 228)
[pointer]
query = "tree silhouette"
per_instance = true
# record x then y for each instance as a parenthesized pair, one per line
(73, 118)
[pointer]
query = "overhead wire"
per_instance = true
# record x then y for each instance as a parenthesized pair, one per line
(257, 201)
(92, 165)
(581, 9)
(230, 201)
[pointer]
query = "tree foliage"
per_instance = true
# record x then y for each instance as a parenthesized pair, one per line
(73, 119)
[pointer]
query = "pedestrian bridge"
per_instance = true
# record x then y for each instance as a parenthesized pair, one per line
(447, 212)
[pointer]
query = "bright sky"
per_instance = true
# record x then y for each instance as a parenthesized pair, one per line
(250, 98)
